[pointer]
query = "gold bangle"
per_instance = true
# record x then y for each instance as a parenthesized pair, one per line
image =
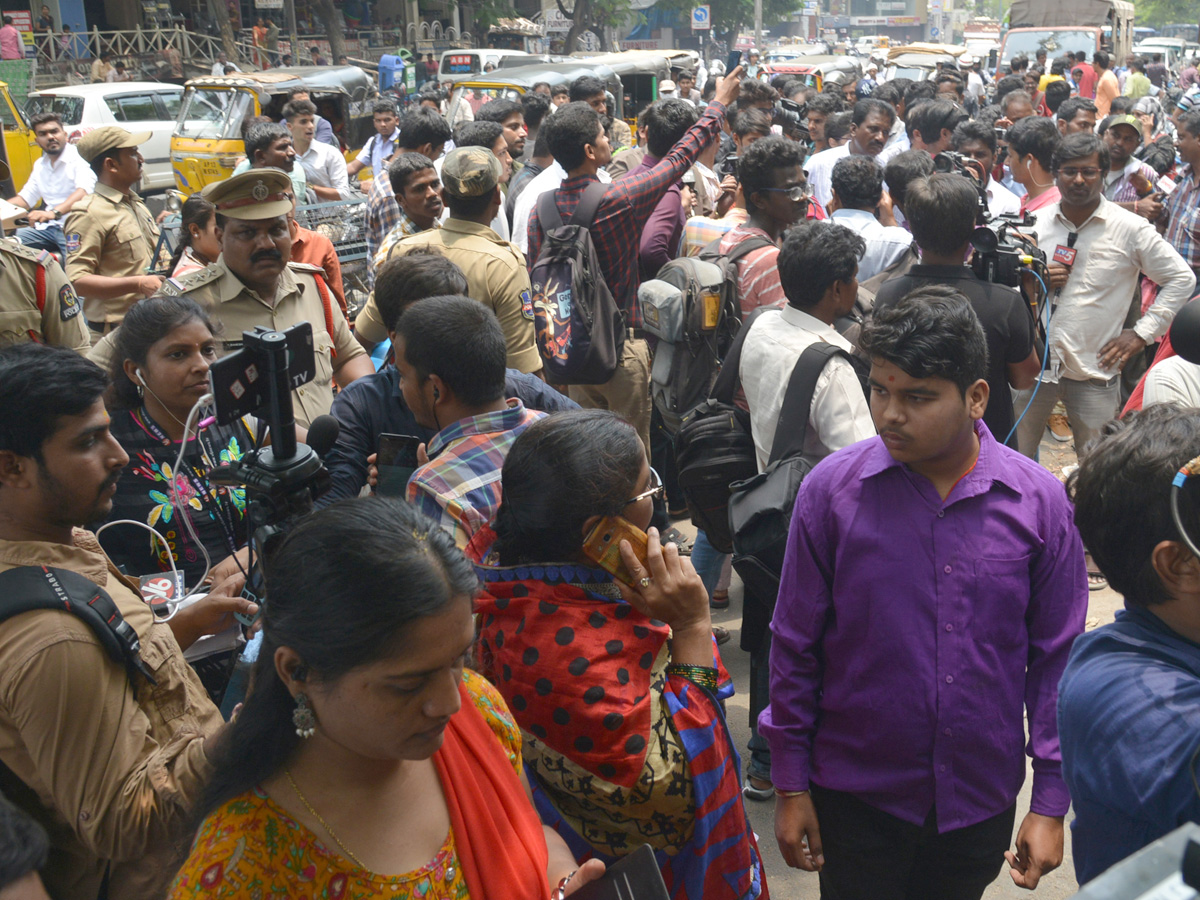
(782, 793)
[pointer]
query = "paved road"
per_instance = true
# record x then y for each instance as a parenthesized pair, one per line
(793, 884)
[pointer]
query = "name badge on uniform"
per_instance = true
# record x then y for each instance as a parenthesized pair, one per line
(526, 305)
(73, 243)
(1065, 255)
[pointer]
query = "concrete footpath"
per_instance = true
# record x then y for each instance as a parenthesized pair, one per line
(794, 884)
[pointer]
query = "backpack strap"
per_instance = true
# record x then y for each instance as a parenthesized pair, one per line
(792, 426)
(728, 379)
(547, 210)
(589, 204)
(711, 252)
(27, 588)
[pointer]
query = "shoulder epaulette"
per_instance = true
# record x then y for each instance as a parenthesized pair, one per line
(15, 248)
(173, 287)
(306, 267)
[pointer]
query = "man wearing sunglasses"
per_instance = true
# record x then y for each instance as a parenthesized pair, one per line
(777, 197)
(1095, 250)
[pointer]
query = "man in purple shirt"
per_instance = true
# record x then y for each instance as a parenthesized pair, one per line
(667, 121)
(933, 584)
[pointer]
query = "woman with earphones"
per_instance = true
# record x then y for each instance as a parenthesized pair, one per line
(160, 370)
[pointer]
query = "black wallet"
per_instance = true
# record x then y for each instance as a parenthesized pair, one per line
(633, 877)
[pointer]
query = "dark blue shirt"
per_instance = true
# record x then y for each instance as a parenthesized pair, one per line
(374, 405)
(1129, 724)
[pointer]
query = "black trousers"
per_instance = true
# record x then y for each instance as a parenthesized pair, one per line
(872, 855)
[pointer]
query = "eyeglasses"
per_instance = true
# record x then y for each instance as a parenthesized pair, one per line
(797, 193)
(1072, 172)
(656, 489)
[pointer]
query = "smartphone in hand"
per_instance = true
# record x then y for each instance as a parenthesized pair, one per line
(734, 60)
(396, 461)
(603, 546)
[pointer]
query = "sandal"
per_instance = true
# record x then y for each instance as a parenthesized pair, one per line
(721, 635)
(758, 793)
(679, 539)
(1096, 581)
(719, 599)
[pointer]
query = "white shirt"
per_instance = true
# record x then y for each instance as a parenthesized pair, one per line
(1174, 380)
(376, 150)
(1112, 247)
(885, 243)
(974, 84)
(219, 68)
(499, 224)
(839, 415)
(1001, 201)
(326, 167)
(549, 179)
(820, 172)
(55, 182)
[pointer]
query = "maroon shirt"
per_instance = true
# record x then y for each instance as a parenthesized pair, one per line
(625, 210)
(664, 229)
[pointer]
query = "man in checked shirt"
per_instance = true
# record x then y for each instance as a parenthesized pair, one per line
(580, 146)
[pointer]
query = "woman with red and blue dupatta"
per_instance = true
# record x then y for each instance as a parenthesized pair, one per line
(617, 689)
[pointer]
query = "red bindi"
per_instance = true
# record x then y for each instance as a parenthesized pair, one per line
(891, 378)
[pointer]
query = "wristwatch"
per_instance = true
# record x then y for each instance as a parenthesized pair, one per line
(57, 214)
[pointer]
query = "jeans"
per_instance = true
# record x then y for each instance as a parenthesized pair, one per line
(707, 562)
(760, 697)
(1090, 405)
(51, 239)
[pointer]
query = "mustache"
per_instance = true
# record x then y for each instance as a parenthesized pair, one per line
(266, 254)
(110, 481)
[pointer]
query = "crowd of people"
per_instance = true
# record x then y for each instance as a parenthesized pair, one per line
(447, 689)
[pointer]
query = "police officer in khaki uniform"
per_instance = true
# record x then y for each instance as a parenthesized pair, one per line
(254, 284)
(37, 302)
(495, 269)
(111, 235)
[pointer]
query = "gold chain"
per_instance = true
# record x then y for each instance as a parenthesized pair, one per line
(316, 815)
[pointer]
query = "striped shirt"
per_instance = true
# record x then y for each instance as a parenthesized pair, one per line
(700, 231)
(405, 227)
(459, 488)
(758, 271)
(1183, 212)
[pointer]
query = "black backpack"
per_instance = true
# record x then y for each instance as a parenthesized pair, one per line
(692, 307)
(714, 449)
(580, 330)
(760, 508)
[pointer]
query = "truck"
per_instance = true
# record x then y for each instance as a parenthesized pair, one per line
(1068, 26)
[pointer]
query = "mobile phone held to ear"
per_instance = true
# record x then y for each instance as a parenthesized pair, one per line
(396, 461)
(735, 60)
(603, 546)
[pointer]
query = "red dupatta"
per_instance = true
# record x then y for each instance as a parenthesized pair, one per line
(499, 837)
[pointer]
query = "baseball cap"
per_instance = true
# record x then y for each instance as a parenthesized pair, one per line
(108, 137)
(254, 194)
(666, 86)
(471, 172)
(1122, 119)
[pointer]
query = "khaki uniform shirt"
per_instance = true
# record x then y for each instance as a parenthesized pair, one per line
(58, 321)
(109, 234)
(239, 309)
(112, 776)
(496, 277)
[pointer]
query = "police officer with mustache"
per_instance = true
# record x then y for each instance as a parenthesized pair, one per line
(253, 283)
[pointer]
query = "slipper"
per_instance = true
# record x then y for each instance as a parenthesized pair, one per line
(719, 600)
(679, 539)
(1096, 581)
(757, 793)
(721, 634)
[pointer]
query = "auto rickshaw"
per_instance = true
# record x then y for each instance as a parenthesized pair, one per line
(207, 143)
(816, 71)
(20, 148)
(631, 80)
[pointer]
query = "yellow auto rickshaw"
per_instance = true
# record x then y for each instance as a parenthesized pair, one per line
(207, 144)
(20, 148)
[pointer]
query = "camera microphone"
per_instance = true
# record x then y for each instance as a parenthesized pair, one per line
(1185, 332)
(323, 434)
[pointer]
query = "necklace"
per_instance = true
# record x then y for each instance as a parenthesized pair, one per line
(316, 815)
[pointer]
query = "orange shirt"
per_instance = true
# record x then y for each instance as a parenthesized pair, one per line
(317, 250)
(1107, 90)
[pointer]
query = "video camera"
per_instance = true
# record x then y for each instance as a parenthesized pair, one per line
(1001, 252)
(282, 480)
(790, 116)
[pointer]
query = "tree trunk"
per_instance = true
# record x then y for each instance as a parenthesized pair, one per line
(329, 17)
(220, 14)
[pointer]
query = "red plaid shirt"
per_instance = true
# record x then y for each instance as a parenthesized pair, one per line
(625, 209)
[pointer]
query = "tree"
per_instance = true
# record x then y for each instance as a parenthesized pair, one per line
(593, 16)
(1158, 13)
(220, 14)
(334, 28)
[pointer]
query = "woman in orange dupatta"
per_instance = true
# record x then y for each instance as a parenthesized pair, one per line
(367, 761)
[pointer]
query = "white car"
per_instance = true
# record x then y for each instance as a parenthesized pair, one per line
(134, 105)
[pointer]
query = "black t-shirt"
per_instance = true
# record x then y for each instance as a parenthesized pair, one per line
(1006, 322)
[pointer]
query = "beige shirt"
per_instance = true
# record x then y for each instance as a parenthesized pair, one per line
(496, 277)
(58, 321)
(297, 299)
(112, 776)
(110, 234)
